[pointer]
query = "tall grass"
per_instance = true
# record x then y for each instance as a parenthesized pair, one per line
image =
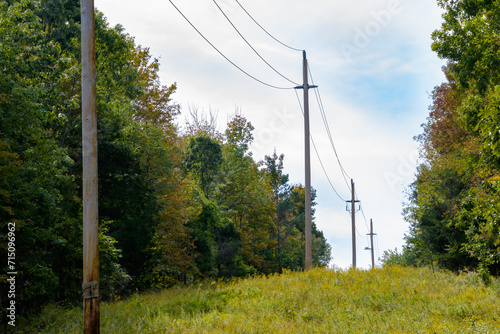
(388, 300)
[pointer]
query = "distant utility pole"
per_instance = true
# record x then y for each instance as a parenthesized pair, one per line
(371, 234)
(353, 202)
(308, 218)
(353, 221)
(90, 284)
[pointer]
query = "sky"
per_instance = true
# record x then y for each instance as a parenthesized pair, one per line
(374, 68)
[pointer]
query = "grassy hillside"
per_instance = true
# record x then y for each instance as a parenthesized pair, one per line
(388, 300)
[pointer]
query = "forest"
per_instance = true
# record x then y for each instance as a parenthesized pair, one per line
(454, 204)
(178, 201)
(181, 200)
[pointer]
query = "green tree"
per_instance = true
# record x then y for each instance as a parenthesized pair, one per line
(204, 159)
(320, 248)
(468, 39)
(453, 211)
(40, 153)
(279, 184)
(246, 197)
(290, 220)
(38, 196)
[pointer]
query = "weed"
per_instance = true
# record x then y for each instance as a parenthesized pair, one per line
(388, 300)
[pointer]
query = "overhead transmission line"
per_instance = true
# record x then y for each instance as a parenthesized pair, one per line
(377, 246)
(327, 127)
(323, 115)
(257, 23)
(345, 175)
(251, 47)
(317, 93)
(319, 158)
(224, 56)
(321, 107)
(359, 234)
(364, 218)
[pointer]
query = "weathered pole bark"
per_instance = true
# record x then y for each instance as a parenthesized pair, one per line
(90, 285)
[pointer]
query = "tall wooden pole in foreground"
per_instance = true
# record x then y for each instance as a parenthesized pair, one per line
(90, 284)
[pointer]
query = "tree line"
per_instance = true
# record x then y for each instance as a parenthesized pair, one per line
(176, 203)
(454, 203)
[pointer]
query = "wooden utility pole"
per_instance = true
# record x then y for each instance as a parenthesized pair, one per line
(278, 223)
(353, 221)
(307, 143)
(307, 150)
(90, 284)
(371, 241)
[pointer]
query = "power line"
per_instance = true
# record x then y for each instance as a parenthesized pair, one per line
(364, 217)
(359, 234)
(257, 23)
(317, 154)
(368, 244)
(324, 170)
(362, 212)
(327, 127)
(317, 94)
(215, 48)
(251, 47)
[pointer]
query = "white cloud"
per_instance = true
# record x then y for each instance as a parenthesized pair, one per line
(374, 103)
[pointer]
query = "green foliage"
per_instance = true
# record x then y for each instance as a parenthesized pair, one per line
(203, 159)
(386, 300)
(9, 167)
(245, 197)
(41, 151)
(290, 220)
(406, 258)
(112, 278)
(172, 206)
(468, 38)
(453, 211)
(239, 133)
(203, 233)
(229, 258)
(241, 227)
(38, 195)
